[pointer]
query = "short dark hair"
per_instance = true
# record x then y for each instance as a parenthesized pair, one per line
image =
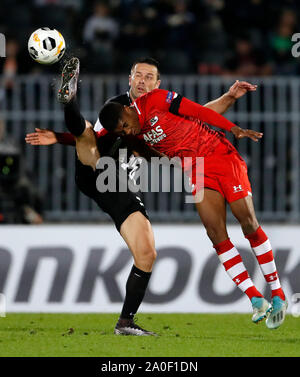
(110, 114)
(149, 61)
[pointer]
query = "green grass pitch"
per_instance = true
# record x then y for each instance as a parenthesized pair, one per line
(180, 335)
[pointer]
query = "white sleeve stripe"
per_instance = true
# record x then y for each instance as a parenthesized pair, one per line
(137, 109)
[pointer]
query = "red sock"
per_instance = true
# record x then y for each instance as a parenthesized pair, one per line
(262, 249)
(235, 268)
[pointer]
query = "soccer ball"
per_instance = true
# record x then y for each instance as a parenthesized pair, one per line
(46, 46)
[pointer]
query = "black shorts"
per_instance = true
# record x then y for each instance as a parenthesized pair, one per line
(118, 205)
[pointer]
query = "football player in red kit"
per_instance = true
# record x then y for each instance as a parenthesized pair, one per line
(175, 126)
(136, 228)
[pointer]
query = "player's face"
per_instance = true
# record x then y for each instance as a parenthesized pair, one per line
(128, 123)
(143, 79)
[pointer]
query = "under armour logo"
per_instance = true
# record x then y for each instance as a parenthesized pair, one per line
(237, 188)
(272, 277)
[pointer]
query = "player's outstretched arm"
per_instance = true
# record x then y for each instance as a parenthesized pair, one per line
(240, 133)
(49, 137)
(237, 90)
(192, 109)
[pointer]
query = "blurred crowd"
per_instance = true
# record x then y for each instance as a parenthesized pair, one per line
(213, 37)
(207, 37)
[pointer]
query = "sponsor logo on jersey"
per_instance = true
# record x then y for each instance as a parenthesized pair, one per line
(155, 135)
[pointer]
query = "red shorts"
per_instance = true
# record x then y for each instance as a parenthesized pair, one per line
(226, 172)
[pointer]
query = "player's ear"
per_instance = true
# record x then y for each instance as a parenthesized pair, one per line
(129, 111)
(126, 109)
(157, 84)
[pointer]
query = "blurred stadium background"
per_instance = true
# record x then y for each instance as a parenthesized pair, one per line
(203, 46)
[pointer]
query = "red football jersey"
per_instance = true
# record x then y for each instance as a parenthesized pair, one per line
(183, 135)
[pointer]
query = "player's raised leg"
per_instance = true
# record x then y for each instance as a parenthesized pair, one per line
(69, 77)
(67, 96)
(86, 146)
(212, 211)
(243, 210)
(137, 232)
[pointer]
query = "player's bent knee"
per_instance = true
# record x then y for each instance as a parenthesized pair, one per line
(249, 224)
(149, 254)
(145, 260)
(146, 256)
(216, 234)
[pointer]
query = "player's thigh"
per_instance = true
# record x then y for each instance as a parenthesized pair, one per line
(212, 211)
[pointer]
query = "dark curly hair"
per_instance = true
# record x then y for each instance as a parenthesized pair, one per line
(110, 114)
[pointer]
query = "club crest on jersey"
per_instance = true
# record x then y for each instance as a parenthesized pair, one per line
(153, 121)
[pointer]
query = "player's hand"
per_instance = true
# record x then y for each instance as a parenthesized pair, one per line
(239, 88)
(41, 137)
(240, 133)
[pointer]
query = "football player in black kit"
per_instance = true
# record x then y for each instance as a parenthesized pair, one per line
(126, 210)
